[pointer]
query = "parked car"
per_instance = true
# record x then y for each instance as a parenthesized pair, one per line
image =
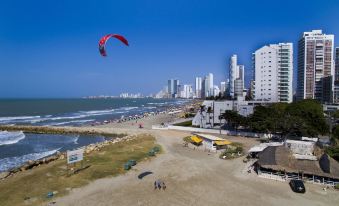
(297, 186)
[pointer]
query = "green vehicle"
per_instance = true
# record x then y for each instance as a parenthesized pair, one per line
(151, 153)
(156, 149)
(132, 162)
(127, 166)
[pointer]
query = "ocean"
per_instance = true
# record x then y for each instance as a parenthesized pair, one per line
(17, 148)
(76, 112)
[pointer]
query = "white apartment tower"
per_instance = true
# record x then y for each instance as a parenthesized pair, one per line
(211, 85)
(207, 86)
(336, 77)
(222, 88)
(273, 73)
(315, 66)
(198, 87)
(186, 91)
(236, 72)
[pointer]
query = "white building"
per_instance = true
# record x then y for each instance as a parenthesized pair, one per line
(223, 88)
(273, 73)
(211, 85)
(236, 72)
(336, 77)
(315, 66)
(216, 90)
(204, 119)
(173, 89)
(207, 86)
(162, 93)
(238, 87)
(186, 91)
(198, 87)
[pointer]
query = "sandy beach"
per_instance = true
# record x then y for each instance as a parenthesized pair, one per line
(193, 177)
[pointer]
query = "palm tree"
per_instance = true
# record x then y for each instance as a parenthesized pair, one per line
(209, 111)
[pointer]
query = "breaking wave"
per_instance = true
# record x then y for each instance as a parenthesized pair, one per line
(11, 137)
(18, 119)
(12, 162)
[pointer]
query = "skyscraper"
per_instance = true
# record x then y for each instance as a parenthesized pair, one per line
(173, 87)
(273, 73)
(186, 91)
(198, 84)
(336, 77)
(236, 72)
(176, 87)
(210, 85)
(241, 70)
(170, 86)
(207, 87)
(315, 66)
(223, 88)
(233, 75)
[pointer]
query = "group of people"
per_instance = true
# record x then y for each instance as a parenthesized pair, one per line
(158, 184)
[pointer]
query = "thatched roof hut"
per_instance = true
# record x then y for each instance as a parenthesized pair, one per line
(281, 159)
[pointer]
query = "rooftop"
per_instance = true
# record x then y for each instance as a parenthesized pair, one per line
(210, 137)
(281, 159)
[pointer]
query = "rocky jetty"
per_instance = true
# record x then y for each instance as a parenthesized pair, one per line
(58, 130)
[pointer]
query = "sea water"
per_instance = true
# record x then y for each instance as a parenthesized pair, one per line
(76, 112)
(16, 148)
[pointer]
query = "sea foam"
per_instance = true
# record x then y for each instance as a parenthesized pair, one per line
(12, 162)
(11, 137)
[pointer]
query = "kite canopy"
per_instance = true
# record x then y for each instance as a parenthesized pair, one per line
(103, 40)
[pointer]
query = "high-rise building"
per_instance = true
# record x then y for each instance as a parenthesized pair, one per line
(238, 87)
(236, 72)
(203, 88)
(198, 84)
(336, 77)
(273, 73)
(170, 86)
(241, 76)
(176, 87)
(186, 91)
(211, 85)
(223, 88)
(232, 74)
(315, 66)
(207, 87)
(173, 87)
(216, 90)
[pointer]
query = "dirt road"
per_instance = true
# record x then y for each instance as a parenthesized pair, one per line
(193, 177)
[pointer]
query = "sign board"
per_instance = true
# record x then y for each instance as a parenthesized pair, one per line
(75, 156)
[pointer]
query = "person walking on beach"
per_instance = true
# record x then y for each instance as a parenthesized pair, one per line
(155, 185)
(163, 186)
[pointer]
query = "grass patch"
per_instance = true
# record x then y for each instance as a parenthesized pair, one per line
(234, 150)
(33, 185)
(184, 124)
(187, 139)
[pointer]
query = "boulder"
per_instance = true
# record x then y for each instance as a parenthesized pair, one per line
(3, 175)
(62, 156)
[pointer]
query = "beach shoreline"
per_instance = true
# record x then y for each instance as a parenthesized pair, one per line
(193, 177)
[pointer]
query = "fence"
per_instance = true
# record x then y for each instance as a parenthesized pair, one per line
(214, 131)
(283, 178)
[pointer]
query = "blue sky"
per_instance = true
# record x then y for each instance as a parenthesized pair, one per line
(49, 48)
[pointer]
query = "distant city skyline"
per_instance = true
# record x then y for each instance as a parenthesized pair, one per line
(50, 49)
